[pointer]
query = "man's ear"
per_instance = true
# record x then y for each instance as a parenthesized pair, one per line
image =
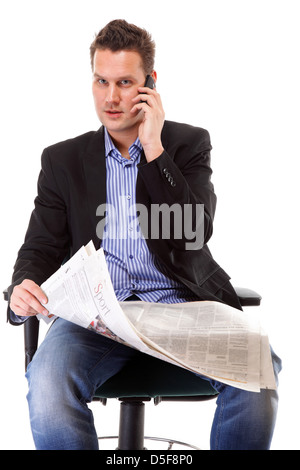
(154, 75)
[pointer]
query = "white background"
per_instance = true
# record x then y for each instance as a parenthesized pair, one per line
(231, 67)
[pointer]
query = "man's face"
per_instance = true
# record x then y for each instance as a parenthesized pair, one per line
(116, 78)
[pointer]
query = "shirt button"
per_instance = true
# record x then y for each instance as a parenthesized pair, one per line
(130, 256)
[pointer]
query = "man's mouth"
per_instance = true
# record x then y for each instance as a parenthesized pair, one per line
(113, 112)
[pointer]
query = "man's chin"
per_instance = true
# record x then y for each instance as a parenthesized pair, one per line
(119, 127)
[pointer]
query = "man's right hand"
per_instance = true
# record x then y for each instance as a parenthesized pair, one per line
(27, 298)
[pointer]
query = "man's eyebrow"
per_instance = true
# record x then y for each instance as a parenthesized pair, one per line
(128, 77)
(125, 77)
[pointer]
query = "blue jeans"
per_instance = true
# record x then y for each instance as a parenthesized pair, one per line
(72, 362)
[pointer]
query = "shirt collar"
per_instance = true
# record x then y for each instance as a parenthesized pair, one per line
(110, 149)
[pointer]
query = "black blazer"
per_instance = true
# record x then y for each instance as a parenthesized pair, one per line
(72, 184)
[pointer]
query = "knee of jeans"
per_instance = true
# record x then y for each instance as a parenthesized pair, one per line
(51, 383)
(44, 386)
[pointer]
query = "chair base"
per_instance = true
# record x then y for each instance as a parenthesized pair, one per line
(131, 426)
(132, 418)
(170, 442)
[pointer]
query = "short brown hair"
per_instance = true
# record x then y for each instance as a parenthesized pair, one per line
(119, 35)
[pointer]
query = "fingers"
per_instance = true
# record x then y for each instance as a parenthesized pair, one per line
(146, 96)
(27, 298)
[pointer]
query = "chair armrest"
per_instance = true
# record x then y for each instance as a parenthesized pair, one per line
(31, 337)
(248, 297)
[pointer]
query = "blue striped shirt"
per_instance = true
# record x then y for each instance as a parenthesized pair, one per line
(130, 263)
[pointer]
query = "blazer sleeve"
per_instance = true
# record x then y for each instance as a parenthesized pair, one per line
(47, 239)
(182, 175)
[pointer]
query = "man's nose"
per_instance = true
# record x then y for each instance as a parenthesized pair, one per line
(112, 94)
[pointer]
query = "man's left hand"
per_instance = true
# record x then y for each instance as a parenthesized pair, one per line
(153, 121)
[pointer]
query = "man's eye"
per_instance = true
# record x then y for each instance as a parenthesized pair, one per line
(101, 81)
(125, 82)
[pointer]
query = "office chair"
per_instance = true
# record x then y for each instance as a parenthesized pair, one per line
(141, 381)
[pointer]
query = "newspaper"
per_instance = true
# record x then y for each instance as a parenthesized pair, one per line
(205, 337)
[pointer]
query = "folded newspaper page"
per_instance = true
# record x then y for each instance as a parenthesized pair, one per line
(207, 338)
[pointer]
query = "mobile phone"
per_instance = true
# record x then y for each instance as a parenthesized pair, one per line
(149, 83)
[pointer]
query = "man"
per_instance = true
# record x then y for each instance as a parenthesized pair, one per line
(137, 157)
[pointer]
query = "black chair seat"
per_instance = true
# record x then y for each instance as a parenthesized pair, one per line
(151, 377)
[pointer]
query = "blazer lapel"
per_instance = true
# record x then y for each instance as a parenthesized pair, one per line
(94, 166)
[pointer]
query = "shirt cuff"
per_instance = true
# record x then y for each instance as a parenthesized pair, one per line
(16, 318)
